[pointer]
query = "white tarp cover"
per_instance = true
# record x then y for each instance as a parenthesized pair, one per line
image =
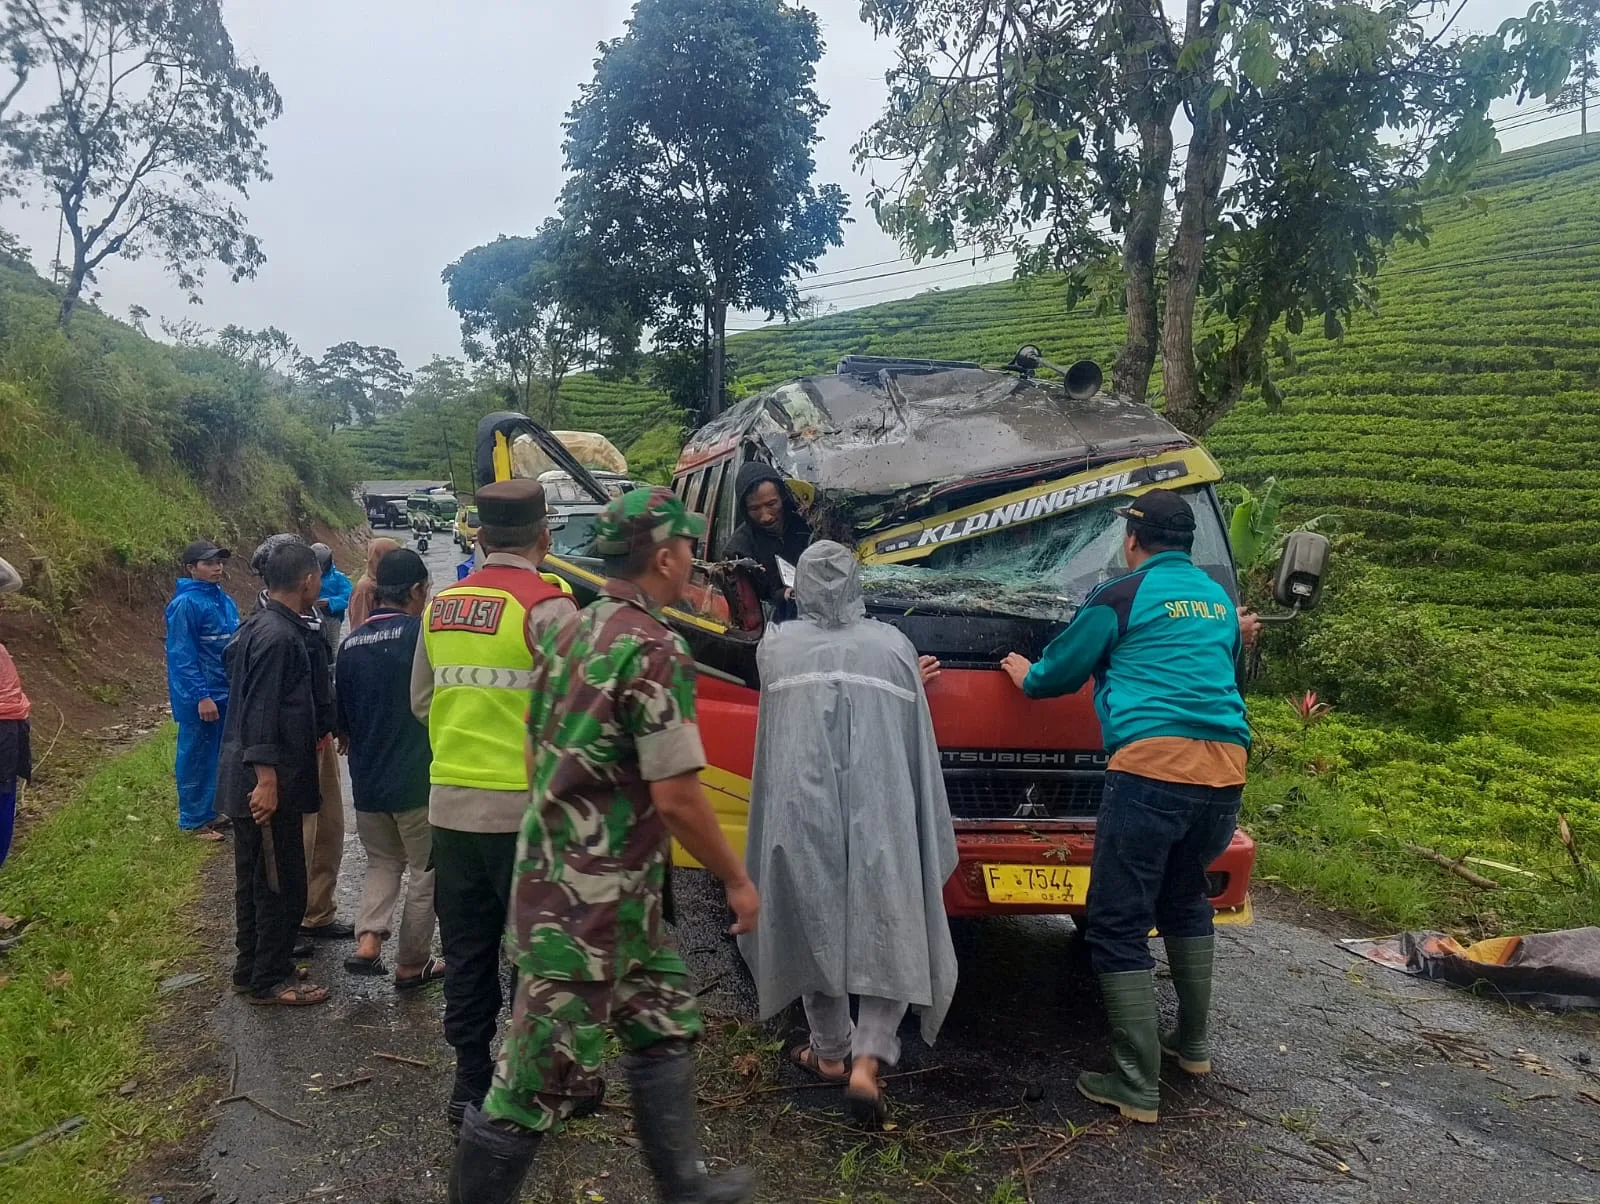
(850, 839)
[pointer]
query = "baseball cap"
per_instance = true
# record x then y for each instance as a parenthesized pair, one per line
(401, 569)
(1161, 510)
(643, 518)
(204, 549)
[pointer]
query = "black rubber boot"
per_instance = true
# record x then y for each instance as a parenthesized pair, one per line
(1190, 959)
(1134, 1087)
(492, 1160)
(662, 1085)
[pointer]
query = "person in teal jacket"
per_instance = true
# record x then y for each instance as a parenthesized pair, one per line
(1163, 644)
(335, 597)
(201, 620)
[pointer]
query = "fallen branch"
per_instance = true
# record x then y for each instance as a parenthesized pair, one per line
(1050, 1156)
(70, 1125)
(246, 1097)
(404, 1061)
(1454, 866)
(356, 1082)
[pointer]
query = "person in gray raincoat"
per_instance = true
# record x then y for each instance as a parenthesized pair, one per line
(850, 839)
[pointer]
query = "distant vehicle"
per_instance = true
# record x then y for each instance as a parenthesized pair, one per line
(386, 510)
(436, 506)
(573, 511)
(466, 527)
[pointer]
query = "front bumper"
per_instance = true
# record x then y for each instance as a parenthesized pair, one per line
(964, 893)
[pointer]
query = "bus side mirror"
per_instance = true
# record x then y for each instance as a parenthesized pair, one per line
(1304, 563)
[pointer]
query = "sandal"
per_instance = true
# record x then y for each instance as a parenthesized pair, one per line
(869, 1111)
(208, 834)
(805, 1057)
(301, 973)
(367, 967)
(432, 972)
(289, 995)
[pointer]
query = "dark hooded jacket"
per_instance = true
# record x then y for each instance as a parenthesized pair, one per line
(750, 541)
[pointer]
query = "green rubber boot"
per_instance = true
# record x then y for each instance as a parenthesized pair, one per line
(1134, 1087)
(1190, 959)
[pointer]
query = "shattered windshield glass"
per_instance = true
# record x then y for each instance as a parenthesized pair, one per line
(1040, 570)
(577, 537)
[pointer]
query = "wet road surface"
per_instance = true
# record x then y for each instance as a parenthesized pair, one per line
(1336, 1080)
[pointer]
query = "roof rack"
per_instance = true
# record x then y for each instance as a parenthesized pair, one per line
(872, 365)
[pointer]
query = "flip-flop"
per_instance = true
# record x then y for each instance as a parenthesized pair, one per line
(243, 988)
(367, 967)
(209, 835)
(432, 972)
(868, 1111)
(805, 1058)
(288, 995)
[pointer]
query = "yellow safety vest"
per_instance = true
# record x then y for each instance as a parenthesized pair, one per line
(476, 636)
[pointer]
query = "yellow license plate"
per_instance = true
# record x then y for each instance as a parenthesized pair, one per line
(1055, 884)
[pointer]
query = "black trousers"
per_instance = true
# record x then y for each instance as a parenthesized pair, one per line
(268, 921)
(472, 874)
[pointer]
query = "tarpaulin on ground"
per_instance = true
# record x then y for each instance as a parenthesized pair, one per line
(1558, 970)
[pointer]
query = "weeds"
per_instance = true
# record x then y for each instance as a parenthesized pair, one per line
(102, 882)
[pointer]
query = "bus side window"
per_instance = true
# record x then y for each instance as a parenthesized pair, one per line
(717, 506)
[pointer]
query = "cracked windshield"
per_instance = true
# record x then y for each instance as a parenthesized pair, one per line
(1040, 570)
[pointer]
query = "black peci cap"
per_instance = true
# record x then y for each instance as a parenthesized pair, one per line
(515, 503)
(204, 549)
(1160, 510)
(401, 569)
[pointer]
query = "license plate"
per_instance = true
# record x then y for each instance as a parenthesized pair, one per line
(1036, 883)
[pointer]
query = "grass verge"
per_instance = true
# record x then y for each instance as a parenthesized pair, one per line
(1334, 806)
(102, 882)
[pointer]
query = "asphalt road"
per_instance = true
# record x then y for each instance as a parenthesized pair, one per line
(1336, 1081)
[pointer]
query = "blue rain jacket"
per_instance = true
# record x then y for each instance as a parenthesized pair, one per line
(201, 619)
(336, 588)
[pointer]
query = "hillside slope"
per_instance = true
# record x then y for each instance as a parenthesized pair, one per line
(116, 450)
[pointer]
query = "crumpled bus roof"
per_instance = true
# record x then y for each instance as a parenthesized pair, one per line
(899, 430)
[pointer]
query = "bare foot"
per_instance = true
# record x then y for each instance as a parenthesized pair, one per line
(864, 1075)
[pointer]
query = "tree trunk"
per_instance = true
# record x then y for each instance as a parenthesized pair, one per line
(1130, 375)
(72, 295)
(719, 355)
(1140, 34)
(1186, 406)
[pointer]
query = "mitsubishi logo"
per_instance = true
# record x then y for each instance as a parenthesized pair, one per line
(1031, 807)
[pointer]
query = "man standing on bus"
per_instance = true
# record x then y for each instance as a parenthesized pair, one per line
(1163, 644)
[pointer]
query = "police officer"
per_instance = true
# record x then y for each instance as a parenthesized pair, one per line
(1162, 643)
(615, 756)
(469, 684)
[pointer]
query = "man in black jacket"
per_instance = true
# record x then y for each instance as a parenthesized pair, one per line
(771, 527)
(267, 776)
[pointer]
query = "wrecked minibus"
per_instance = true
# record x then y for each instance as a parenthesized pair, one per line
(981, 505)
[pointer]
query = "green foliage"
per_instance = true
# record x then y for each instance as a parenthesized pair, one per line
(1332, 805)
(1371, 652)
(105, 880)
(116, 451)
(352, 383)
(654, 454)
(150, 115)
(690, 161)
(1253, 525)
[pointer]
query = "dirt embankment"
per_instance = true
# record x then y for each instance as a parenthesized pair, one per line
(95, 670)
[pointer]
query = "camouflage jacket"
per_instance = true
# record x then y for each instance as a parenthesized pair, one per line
(612, 710)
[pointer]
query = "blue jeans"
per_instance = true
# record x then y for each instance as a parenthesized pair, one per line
(1153, 843)
(8, 816)
(199, 747)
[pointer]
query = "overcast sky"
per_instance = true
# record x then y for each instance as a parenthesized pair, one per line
(416, 129)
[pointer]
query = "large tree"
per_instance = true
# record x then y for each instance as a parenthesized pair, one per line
(1315, 130)
(353, 383)
(691, 166)
(147, 133)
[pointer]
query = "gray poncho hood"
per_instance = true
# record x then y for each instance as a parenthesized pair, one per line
(850, 838)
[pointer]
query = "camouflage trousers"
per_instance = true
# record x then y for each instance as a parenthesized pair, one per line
(552, 1054)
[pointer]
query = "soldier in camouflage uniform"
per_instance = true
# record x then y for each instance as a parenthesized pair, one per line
(614, 758)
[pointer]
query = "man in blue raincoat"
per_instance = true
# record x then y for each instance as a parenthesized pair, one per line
(201, 619)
